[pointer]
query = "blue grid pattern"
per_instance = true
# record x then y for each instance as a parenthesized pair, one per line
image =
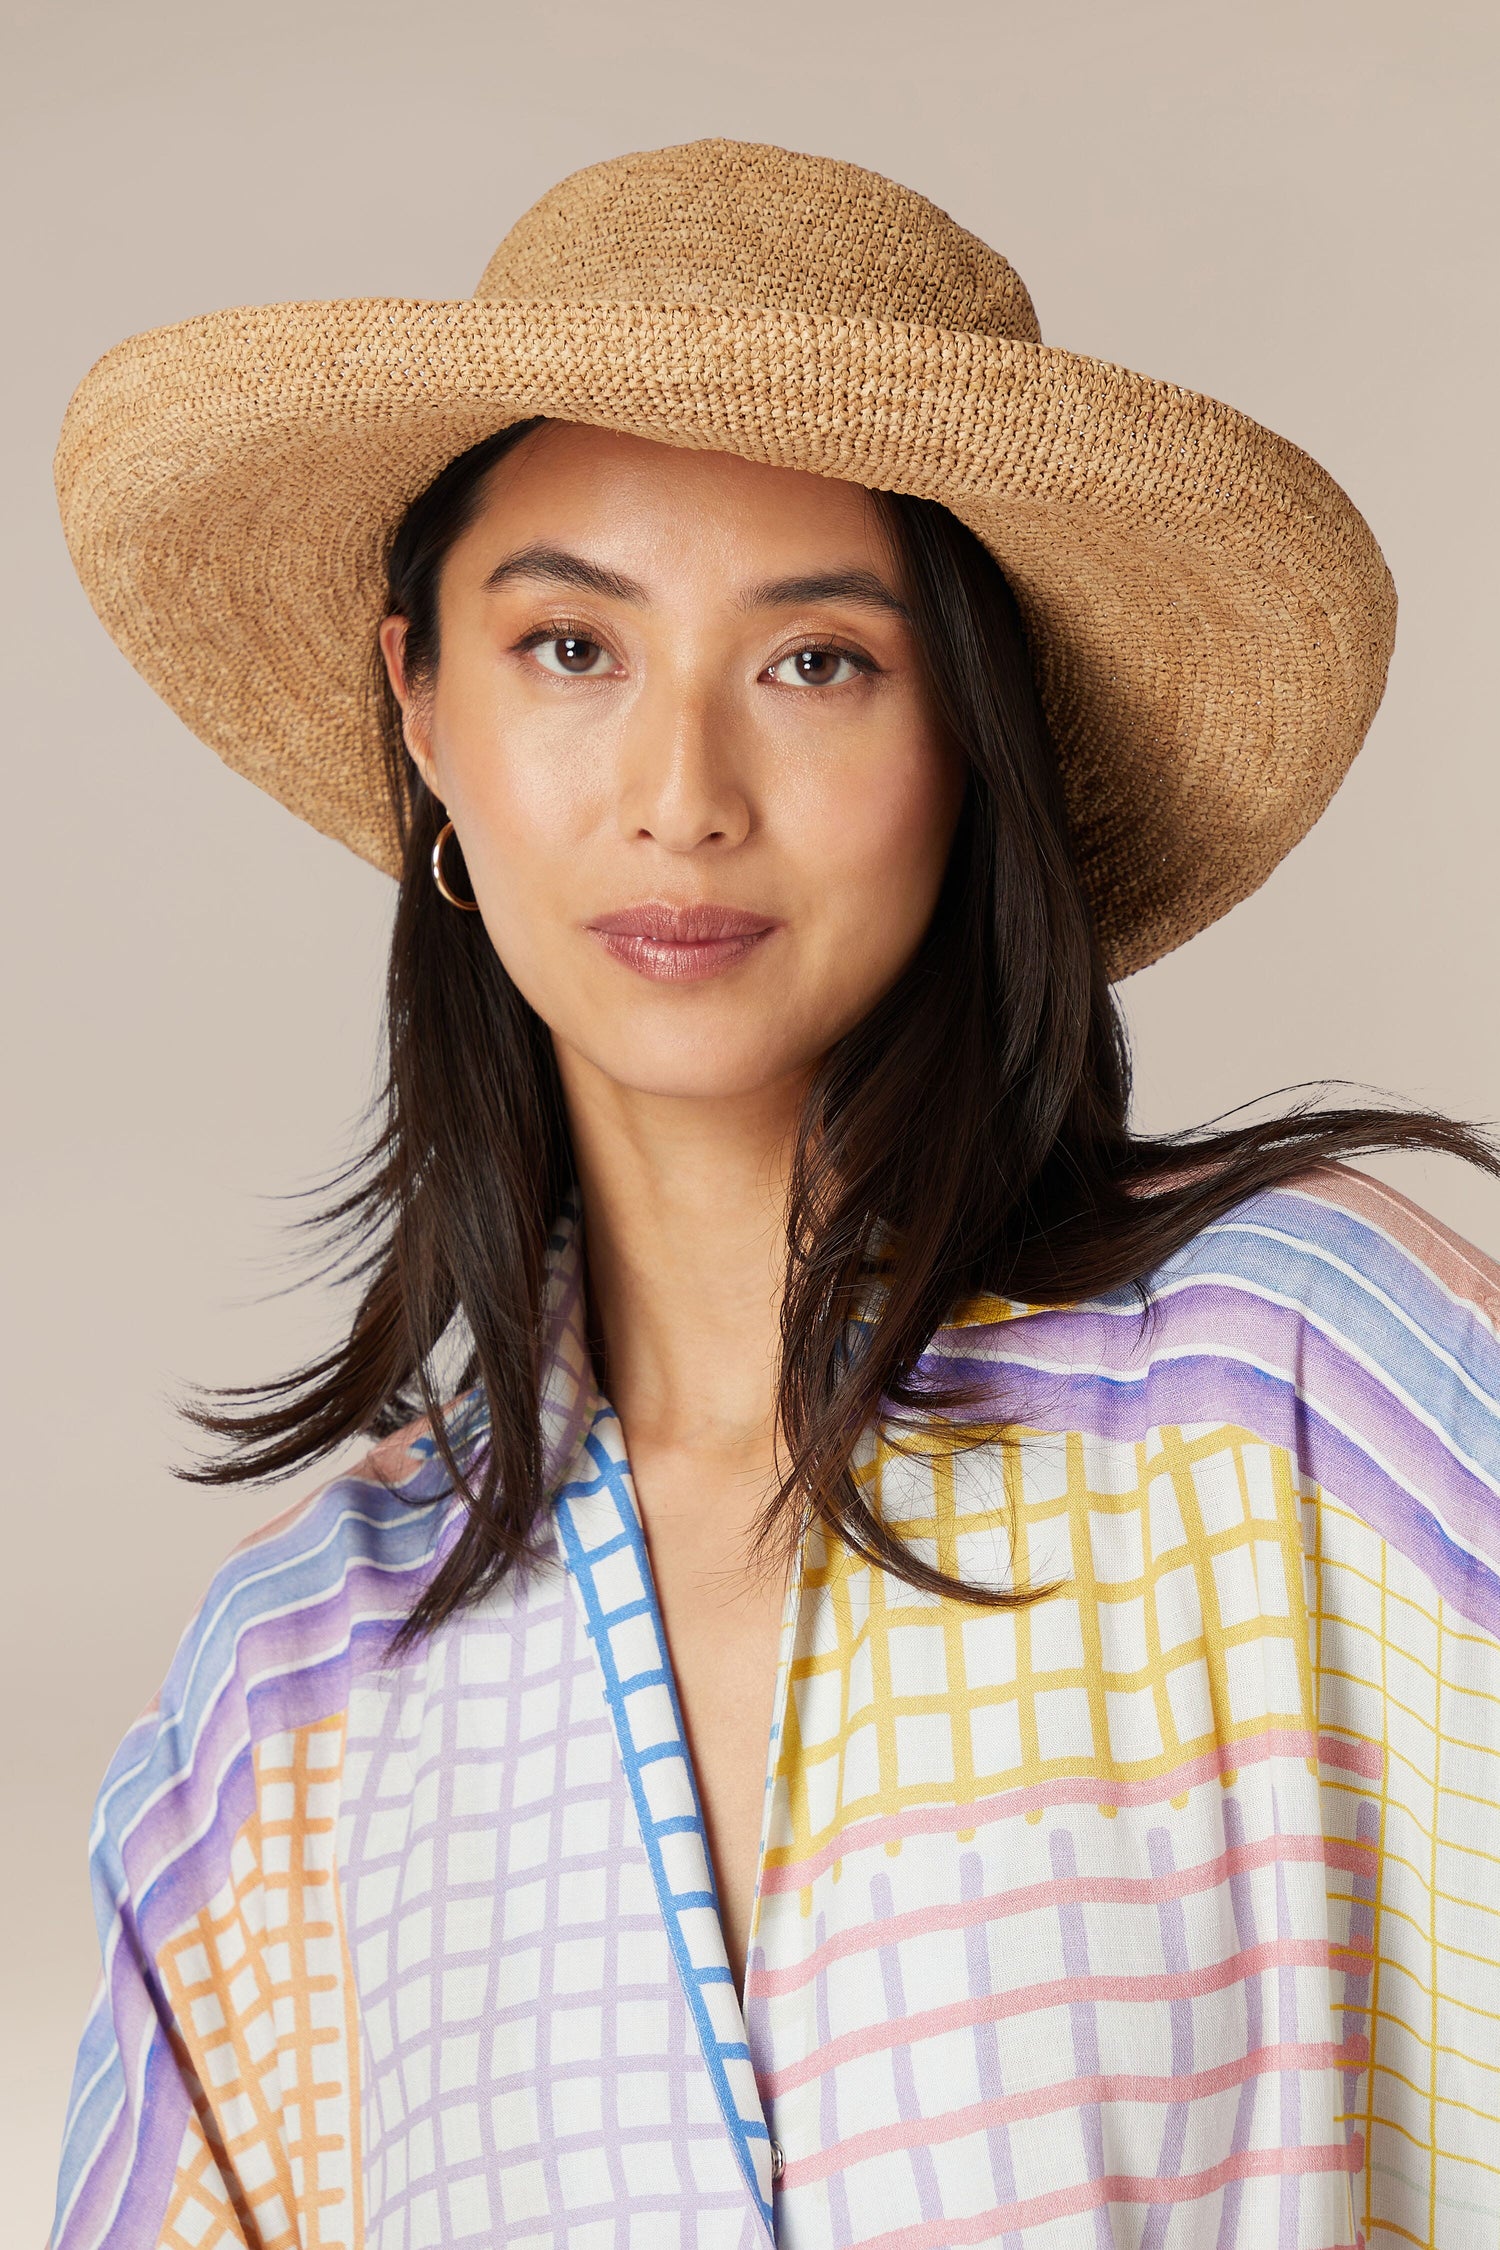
(599, 1527)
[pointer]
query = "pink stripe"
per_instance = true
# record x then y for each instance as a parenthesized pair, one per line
(1217, 1764)
(1071, 2093)
(1119, 2187)
(1367, 1759)
(1087, 1890)
(1061, 1992)
(1452, 1261)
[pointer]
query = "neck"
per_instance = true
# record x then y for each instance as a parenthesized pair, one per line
(684, 1205)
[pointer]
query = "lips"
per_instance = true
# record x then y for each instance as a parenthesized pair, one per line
(682, 925)
(681, 943)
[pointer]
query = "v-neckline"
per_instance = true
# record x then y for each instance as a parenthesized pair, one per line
(602, 1541)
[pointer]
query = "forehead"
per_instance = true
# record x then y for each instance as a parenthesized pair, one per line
(610, 493)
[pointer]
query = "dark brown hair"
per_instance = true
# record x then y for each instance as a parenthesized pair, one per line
(969, 1135)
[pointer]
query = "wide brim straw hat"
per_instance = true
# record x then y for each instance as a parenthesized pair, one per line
(1209, 615)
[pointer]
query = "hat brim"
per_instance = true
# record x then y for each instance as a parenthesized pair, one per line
(1209, 614)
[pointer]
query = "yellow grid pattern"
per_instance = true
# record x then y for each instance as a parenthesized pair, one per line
(1178, 1627)
(1394, 1665)
(259, 1983)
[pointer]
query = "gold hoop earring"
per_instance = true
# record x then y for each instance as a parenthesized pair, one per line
(465, 905)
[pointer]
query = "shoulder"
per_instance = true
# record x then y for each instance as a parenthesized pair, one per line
(1332, 1254)
(1338, 1292)
(337, 1569)
(1339, 1248)
(1331, 1320)
(290, 1619)
(237, 1755)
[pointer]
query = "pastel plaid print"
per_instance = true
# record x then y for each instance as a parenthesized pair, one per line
(1164, 1911)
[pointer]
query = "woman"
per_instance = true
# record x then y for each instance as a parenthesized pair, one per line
(799, 694)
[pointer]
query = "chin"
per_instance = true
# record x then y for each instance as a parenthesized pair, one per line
(688, 1068)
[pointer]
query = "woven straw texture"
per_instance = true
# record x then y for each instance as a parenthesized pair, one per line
(1210, 616)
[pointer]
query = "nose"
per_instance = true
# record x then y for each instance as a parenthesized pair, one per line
(681, 782)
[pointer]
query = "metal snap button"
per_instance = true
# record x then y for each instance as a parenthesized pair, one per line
(778, 2161)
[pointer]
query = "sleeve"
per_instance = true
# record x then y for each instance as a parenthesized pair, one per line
(143, 2160)
(1400, 1449)
(227, 1997)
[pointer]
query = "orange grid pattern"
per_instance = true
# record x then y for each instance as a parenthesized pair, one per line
(203, 2213)
(260, 1984)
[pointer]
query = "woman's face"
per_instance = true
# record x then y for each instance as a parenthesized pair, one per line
(679, 724)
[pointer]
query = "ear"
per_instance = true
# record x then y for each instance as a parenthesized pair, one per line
(414, 706)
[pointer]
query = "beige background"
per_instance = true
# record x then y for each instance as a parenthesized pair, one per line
(1289, 205)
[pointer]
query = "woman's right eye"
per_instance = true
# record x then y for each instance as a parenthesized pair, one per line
(571, 656)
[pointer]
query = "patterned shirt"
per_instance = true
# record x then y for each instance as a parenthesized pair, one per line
(1164, 1911)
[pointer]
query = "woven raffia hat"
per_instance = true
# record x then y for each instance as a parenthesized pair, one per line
(1209, 615)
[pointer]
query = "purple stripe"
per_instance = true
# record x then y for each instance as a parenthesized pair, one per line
(295, 1611)
(1220, 1390)
(132, 2140)
(1174, 1949)
(986, 2044)
(1084, 2017)
(149, 2145)
(301, 1693)
(1243, 1907)
(828, 2107)
(1355, 2007)
(1225, 1326)
(908, 2100)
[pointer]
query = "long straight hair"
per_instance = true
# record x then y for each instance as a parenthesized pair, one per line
(970, 1134)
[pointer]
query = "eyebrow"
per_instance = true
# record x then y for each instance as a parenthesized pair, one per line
(557, 567)
(827, 586)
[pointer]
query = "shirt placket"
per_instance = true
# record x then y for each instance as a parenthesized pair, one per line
(603, 1543)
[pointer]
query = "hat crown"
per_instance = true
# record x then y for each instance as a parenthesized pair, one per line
(735, 223)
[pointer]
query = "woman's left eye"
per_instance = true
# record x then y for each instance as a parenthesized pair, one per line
(572, 656)
(816, 667)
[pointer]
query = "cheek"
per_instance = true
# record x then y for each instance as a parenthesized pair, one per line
(878, 826)
(519, 783)
(525, 799)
